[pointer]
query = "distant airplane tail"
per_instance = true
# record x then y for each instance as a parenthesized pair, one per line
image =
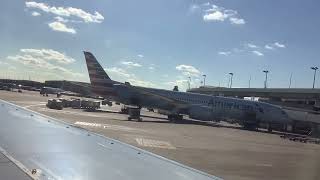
(101, 83)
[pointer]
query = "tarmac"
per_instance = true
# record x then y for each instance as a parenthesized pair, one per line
(9, 170)
(222, 150)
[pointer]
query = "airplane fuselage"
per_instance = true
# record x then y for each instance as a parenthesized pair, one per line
(202, 107)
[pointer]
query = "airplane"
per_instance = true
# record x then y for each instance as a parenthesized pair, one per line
(250, 114)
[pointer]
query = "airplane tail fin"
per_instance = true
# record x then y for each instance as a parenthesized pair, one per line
(101, 83)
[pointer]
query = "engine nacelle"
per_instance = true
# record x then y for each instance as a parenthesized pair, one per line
(204, 113)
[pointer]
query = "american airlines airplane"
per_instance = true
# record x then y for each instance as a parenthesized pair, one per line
(197, 106)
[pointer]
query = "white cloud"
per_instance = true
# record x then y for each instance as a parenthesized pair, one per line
(182, 83)
(4, 63)
(119, 72)
(268, 47)
(229, 12)
(59, 26)
(251, 48)
(224, 53)
(274, 46)
(237, 50)
(125, 76)
(206, 4)
(213, 8)
(49, 54)
(179, 83)
(151, 67)
(238, 21)
(39, 59)
(215, 16)
(35, 13)
(194, 7)
(197, 80)
(216, 13)
(138, 82)
(140, 55)
(61, 19)
(131, 64)
(188, 70)
(277, 44)
(258, 53)
(67, 12)
(252, 45)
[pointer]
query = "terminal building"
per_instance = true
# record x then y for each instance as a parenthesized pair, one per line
(28, 83)
(81, 88)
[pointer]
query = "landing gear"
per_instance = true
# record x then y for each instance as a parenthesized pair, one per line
(269, 128)
(175, 117)
(250, 122)
(250, 126)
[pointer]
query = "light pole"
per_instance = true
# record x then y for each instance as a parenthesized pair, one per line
(314, 75)
(189, 82)
(290, 80)
(204, 79)
(266, 80)
(231, 77)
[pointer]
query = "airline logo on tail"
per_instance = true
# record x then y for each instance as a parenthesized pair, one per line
(101, 83)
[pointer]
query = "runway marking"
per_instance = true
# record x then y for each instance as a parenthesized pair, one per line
(106, 126)
(87, 114)
(154, 143)
(40, 104)
(28, 102)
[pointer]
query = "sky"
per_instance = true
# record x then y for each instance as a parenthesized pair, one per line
(162, 43)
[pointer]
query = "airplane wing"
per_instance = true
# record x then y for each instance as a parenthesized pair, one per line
(46, 148)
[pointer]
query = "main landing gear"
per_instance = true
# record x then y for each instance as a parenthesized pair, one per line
(250, 126)
(175, 117)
